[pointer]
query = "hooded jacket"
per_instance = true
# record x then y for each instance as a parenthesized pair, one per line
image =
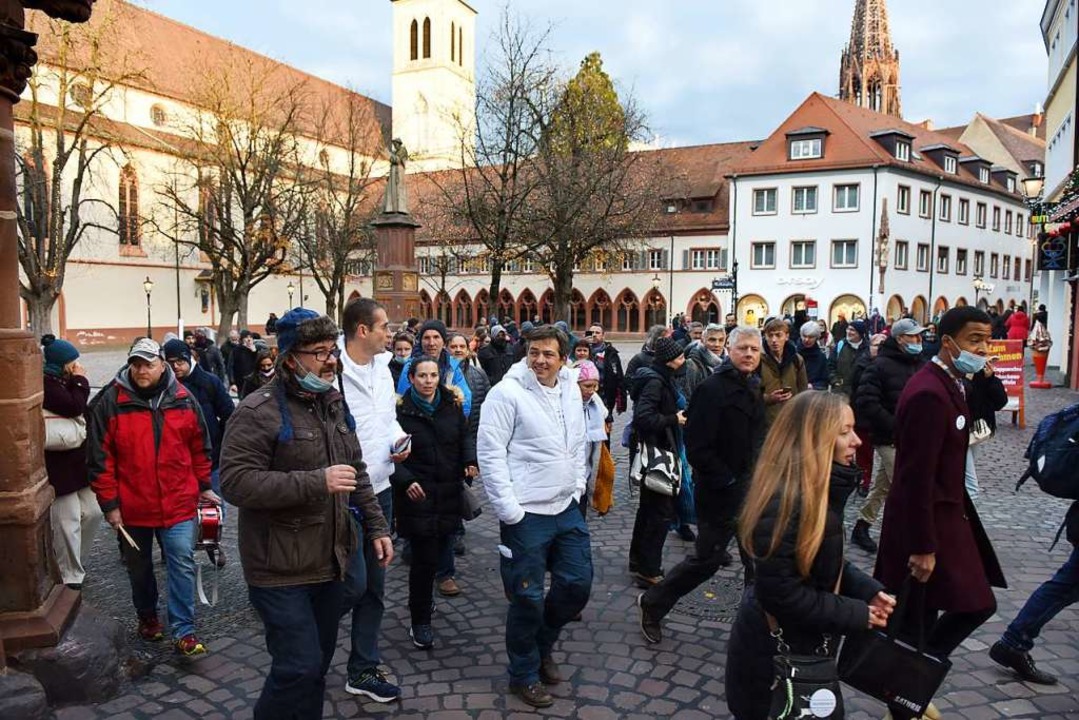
(450, 371)
(788, 372)
(879, 389)
(215, 403)
(372, 401)
(148, 457)
(526, 463)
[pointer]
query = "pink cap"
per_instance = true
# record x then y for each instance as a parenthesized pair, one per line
(586, 370)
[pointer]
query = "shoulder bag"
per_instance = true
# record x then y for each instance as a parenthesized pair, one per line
(657, 469)
(63, 433)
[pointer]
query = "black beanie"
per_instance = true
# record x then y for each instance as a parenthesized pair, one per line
(666, 349)
(436, 325)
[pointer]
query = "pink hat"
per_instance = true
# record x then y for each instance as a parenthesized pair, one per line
(586, 370)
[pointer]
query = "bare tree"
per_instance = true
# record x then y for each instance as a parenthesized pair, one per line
(238, 194)
(64, 144)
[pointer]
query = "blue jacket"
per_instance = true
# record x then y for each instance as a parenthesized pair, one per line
(451, 372)
(216, 404)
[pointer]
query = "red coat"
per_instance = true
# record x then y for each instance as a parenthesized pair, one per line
(150, 459)
(1018, 325)
(928, 510)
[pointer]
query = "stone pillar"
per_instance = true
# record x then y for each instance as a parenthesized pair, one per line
(396, 281)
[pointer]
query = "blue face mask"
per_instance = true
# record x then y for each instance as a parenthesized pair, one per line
(913, 349)
(312, 383)
(968, 363)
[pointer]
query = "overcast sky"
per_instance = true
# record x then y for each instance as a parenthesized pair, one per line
(704, 70)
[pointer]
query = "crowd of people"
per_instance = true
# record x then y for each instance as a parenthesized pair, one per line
(344, 438)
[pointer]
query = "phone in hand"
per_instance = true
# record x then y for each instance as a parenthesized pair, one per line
(402, 445)
(787, 390)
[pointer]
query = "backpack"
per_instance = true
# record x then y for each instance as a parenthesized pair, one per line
(1053, 455)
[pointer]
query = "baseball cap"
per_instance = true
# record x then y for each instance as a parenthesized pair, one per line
(145, 349)
(906, 326)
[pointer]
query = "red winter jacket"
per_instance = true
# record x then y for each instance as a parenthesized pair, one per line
(150, 458)
(1018, 325)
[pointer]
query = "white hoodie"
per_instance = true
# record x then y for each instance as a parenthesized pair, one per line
(526, 463)
(372, 401)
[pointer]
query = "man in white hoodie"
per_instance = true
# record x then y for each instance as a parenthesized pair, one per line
(531, 451)
(369, 392)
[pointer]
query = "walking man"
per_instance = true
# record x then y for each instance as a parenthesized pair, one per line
(369, 394)
(724, 429)
(148, 456)
(532, 462)
(292, 464)
(611, 376)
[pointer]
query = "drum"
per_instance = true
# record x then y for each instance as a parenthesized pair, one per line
(208, 521)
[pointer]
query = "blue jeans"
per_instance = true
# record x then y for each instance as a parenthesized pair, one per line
(365, 587)
(301, 629)
(537, 544)
(1053, 596)
(178, 543)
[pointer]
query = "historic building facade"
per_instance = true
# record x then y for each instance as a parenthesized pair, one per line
(869, 67)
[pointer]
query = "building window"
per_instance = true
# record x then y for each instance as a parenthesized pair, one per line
(1007, 267)
(1008, 222)
(960, 261)
(964, 211)
(424, 265)
(1018, 267)
(983, 175)
(764, 201)
(903, 200)
(655, 260)
(980, 218)
(804, 200)
(846, 198)
(902, 252)
(844, 253)
(1010, 184)
(996, 219)
(764, 255)
(950, 165)
(923, 257)
(994, 265)
(902, 151)
(706, 260)
(128, 207)
(426, 38)
(414, 41)
(704, 205)
(946, 208)
(1026, 267)
(979, 263)
(1019, 226)
(158, 116)
(627, 261)
(804, 254)
(943, 253)
(925, 203)
(806, 149)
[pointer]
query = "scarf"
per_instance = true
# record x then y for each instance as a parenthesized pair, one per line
(427, 407)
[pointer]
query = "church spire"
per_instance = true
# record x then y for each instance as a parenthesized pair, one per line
(869, 70)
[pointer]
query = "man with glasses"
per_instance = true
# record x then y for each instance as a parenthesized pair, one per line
(611, 376)
(292, 463)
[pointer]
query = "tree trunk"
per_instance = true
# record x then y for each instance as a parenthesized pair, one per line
(40, 310)
(340, 306)
(228, 306)
(331, 307)
(241, 309)
(495, 288)
(563, 293)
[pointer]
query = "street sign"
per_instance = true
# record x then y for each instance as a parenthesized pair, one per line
(1009, 368)
(724, 284)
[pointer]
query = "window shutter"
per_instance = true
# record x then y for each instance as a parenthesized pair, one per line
(642, 260)
(666, 261)
(686, 261)
(723, 260)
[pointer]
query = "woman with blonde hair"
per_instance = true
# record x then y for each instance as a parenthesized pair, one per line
(792, 526)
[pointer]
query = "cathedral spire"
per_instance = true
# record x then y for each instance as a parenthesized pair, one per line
(869, 70)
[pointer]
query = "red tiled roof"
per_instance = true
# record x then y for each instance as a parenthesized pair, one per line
(1020, 145)
(1022, 123)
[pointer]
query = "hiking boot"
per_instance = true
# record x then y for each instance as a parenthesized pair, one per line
(535, 695)
(686, 533)
(646, 581)
(422, 636)
(650, 626)
(459, 548)
(1021, 663)
(190, 647)
(373, 684)
(549, 672)
(217, 556)
(860, 537)
(150, 628)
(448, 588)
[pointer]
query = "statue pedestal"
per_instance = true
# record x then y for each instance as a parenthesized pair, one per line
(396, 281)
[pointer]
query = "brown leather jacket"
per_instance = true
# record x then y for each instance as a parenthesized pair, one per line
(292, 531)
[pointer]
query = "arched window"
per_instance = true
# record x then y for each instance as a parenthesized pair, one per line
(629, 313)
(483, 304)
(526, 306)
(426, 38)
(453, 41)
(460, 47)
(577, 310)
(600, 313)
(414, 41)
(506, 305)
(655, 309)
(128, 207)
(425, 306)
(462, 314)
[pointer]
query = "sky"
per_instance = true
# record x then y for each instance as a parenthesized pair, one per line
(704, 71)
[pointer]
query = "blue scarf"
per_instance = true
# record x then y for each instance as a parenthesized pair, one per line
(427, 407)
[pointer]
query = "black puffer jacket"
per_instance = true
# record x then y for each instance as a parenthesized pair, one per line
(805, 608)
(985, 395)
(496, 359)
(816, 363)
(880, 387)
(480, 386)
(441, 449)
(638, 362)
(655, 406)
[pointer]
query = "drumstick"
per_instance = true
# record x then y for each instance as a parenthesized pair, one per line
(127, 537)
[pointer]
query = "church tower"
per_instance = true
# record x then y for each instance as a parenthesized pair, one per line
(869, 71)
(434, 80)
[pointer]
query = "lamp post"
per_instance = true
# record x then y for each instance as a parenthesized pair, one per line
(291, 289)
(1032, 191)
(981, 286)
(148, 286)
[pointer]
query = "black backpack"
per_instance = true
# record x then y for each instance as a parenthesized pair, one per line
(1053, 455)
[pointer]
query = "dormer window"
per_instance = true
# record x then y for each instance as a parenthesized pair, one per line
(983, 175)
(806, 149)
(1011, 184)
(951, 165)
(902, 151)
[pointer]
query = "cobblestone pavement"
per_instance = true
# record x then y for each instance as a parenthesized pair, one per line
(612, 672)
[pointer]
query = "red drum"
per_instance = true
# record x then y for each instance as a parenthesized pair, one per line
(208, 521)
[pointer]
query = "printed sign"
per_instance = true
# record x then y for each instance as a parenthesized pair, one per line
(1009, 368)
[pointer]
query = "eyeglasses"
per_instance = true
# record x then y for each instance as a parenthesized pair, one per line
(321, 355)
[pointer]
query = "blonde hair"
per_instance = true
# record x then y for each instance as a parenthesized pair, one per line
(794, 468)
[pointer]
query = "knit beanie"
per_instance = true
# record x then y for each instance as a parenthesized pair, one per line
(859, 327)
(436, 325)
(177, 350)
(666, 350)
(586, 370)
(58, 353)
(302, 327)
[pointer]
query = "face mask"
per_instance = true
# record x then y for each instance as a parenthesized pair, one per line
(267, 373)
(398, 360)
(312, 383)
(930, 337)
(915, 349)
(968, 363)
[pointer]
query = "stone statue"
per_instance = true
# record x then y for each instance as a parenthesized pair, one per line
(396, 195)
(70, 10)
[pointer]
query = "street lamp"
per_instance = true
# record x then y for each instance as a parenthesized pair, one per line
(1032, 190)
(981, 286)
(148, 286)
(656, 281)
(291, 289)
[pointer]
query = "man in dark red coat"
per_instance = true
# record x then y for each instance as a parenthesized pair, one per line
(931, 530)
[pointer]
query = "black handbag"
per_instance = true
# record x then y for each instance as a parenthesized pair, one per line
(804, 686)
(882, 666)
(470, 505)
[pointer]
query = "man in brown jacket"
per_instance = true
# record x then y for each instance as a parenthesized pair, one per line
(782, 370)
(291, 462)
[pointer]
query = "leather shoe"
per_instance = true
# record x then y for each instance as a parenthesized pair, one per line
(1021, 663)
(448, 588)
(650, 626)
(535, 695)
(549, 672)
(860, 536)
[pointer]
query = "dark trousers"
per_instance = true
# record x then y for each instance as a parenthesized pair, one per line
(364, 589)
(654, 515)
(716, 527)
(1049, 599)
(427, 556)
(301, 632)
